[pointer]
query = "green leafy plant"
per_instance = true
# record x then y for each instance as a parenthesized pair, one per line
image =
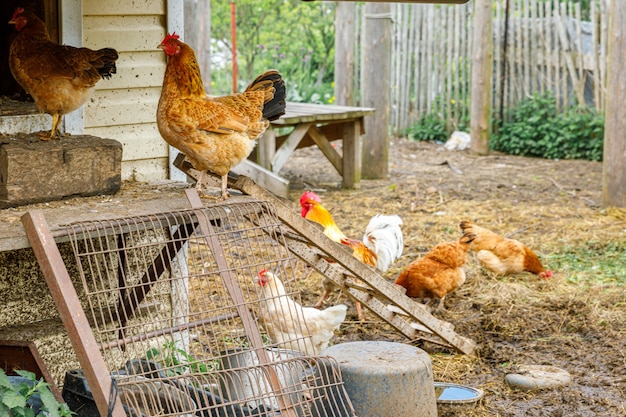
(176, 360)
(535, 128)
(429, 128)
(17, 399)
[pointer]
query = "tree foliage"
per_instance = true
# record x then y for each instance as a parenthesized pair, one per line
(293, 36)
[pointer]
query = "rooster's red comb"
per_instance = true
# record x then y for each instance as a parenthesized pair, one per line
(262, 272)
(310, 196)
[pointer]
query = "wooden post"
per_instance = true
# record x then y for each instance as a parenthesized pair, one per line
(344, 53)
(376, 89)
(481, 81)
(614, 167)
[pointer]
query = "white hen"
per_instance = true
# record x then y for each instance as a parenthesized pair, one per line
(291, 326)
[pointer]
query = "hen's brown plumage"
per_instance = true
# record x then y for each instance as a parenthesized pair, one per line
(215, 133)
(60, 78)
(503, 255)
(439, 272)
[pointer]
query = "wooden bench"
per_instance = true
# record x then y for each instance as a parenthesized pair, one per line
(316, 124)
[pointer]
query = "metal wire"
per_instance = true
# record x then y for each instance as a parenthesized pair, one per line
(173, 301)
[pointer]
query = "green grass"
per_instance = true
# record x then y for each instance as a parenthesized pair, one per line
(595, 262)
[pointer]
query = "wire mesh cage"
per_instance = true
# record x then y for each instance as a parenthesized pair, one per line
(179, 308)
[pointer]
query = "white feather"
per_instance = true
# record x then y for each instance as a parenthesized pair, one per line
(383, 236)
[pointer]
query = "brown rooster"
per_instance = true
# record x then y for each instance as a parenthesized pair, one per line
(439, 272)
(502, 255)
(59, 78)
(215, 133)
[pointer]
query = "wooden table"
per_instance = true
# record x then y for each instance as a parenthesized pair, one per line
(317, 124)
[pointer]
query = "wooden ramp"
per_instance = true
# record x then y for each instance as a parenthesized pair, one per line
(360, 282)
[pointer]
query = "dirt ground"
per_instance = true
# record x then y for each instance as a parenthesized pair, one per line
(577, 325)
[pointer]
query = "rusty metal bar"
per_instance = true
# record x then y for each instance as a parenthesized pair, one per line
(127, 305)
(72, 315)
(249, 324)
(167, 330)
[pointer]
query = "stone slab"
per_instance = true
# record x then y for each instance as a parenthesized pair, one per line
(34, 171)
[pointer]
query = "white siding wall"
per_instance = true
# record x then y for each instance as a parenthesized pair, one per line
(124, 107)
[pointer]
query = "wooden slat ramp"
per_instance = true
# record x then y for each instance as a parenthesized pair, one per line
(360, 282)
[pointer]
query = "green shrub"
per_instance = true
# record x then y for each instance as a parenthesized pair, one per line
(533, 128)
(429, 127)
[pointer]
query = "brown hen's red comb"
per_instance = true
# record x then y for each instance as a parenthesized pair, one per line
(171, 36)
(18, 12)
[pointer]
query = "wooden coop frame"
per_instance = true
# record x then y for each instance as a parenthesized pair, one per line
(107, 327)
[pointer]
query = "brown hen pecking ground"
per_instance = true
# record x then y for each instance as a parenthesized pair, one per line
(548, 205)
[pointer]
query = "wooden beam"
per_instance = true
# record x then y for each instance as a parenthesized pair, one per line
(481, 77)
(614, 168)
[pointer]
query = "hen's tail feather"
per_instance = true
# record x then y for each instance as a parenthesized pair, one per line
(108, 57)
(274, 107)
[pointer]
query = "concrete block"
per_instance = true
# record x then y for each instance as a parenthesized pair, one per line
(34, 171)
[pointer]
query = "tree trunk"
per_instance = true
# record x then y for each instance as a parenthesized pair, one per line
(376, 89)
(345, 31)
(614, 164)
(481, 78)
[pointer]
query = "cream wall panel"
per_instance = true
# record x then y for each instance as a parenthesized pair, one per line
(140, 141)
(122, 107)
(145, 170)
(113, 7)
(127, 40)
(136, 69)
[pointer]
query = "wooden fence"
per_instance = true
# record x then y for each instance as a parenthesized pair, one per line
(539, 46)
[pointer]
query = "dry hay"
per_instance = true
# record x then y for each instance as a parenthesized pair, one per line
(522, 319)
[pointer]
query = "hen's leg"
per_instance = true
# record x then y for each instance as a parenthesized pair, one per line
(199, 184)
(56, 118)
(225, 194)
(440, 306)
(359, 311)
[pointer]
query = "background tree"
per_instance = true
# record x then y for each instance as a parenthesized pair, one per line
(292, 36)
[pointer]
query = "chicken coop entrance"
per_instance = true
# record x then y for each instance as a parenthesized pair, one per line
(168, 316)
(48, 11)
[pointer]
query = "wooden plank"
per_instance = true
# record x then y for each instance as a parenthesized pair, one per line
(327, 149)
(270, 181)
(351, 175)
(71, 312)
(285, 150)
(296, 113)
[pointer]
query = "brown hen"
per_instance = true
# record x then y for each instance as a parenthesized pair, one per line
(215, 133)
(60, 78)
(502, 255)
(439, 272)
